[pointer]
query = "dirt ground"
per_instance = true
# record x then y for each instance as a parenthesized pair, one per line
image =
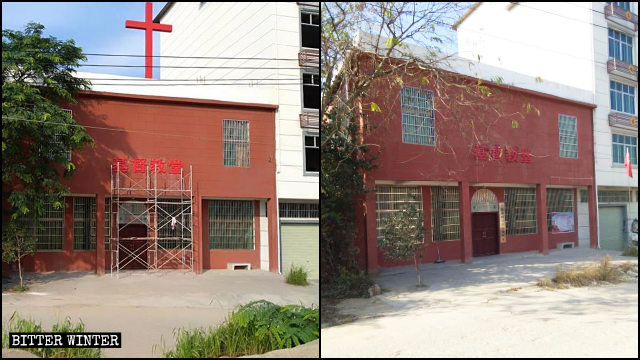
(490, 308)
(147, 306)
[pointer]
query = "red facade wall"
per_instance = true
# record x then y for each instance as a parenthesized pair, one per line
(189, 130)
(452, 159)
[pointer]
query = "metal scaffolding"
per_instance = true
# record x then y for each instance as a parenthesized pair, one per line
(164, 203)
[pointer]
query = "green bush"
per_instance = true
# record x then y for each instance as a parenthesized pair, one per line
(348, 284)
(630, 251)
(254, 328)
(297, 275)
(17, 324)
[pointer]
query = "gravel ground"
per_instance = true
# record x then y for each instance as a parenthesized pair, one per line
(490, 308)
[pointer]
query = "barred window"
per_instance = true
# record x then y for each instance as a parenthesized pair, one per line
(558, 200)
(521, 211)
(611, 196)
(48, 229)
(418, 124)
(389, 199)
(299, 210)
(236, 143)
(445, 215)
(231, 224)
(621, 144)
(567, 126)
(84, 223)
(167, 210)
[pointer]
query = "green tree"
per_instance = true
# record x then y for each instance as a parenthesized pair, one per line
(16, 244)
(403, 235)
(37, 79)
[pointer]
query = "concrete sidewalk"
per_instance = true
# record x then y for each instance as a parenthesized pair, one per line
(490, 308)
(147, 306)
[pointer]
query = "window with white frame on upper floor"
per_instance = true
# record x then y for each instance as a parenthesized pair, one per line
(568, 133)
(311, 153)
(418, 124)
(624, 5)
(620, 46)
(622, 143)
(310, 90)
(310, 29)
(622, 97)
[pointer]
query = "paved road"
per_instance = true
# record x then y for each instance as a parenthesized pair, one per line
(147, 307)
(468, 311)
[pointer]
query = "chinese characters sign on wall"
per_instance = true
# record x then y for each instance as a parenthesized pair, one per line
(139, 165)
(512, 154)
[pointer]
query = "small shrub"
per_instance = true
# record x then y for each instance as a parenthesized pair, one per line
(348, 284)
(254, 328)
(626, 267)
(584, 275)
(17, 324)
(297, 275)
(630, 251)
(546, 282)
(19, 288)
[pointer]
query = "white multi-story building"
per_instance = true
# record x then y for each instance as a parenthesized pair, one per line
(254, 47)
(589, 46)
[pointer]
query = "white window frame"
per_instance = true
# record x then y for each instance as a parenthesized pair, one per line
(315, 74)
(307, 12)
(315, 135)
(566, 134)
(624, 149)
(623, 94)
(246, 141)
(620, 45)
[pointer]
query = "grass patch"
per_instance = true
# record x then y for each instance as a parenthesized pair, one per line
(18, 288)
(513, 289)
(18, 324)
(585, 275)
(254, 328)
(297, 275)
(630, 251)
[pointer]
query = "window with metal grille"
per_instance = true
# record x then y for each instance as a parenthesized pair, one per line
(58, 136)
(48, 229)
(614, 196)
(107, 222)
(620, 46)
(389, 199)
(299, 210)
(418, 124)
(520, 211)
(621, 144)
(310, 28)
(311, 153)
(231, 224)
(622, 97)
(567, 126)
(167, 210)
(558, 200)
(583, 196)
(84, 223)
(310, 90)
(236, 143)
(445, 214)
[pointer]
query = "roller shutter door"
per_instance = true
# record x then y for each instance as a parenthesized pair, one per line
(611, 228)
(300, 247)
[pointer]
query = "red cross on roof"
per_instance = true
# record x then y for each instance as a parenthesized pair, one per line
(148, 26)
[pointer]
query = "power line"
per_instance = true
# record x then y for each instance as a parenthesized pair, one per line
(182, 57)
(127, 130)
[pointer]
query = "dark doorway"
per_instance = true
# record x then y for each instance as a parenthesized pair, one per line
(138, 247)
(485, 233)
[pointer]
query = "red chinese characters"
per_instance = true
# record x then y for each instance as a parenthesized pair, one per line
(139, 165)
(119, 164)
(156, 165)
(175, 166)
(510, 154)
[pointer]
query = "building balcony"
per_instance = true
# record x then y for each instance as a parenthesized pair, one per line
(310, 120)
(622, 120)
(623, 69)
(621, 16)
(309, 58)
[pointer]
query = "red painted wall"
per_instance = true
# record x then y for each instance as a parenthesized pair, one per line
(452, 158)
(170, 128)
